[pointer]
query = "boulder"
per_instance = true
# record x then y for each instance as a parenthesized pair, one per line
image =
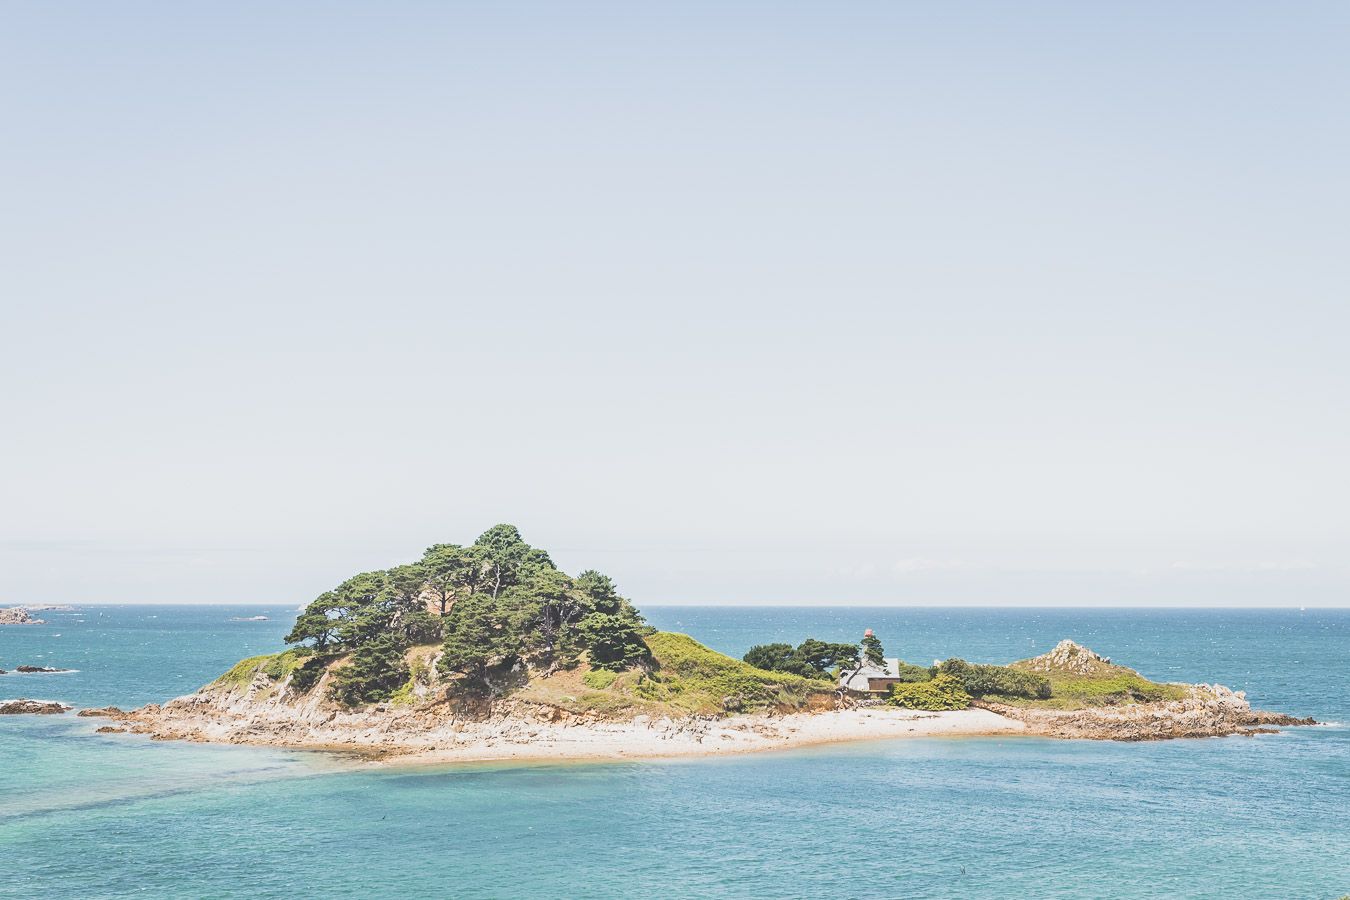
(110, 712)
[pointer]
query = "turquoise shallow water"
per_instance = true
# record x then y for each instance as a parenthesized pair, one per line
(83, 815)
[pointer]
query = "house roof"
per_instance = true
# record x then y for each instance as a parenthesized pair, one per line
(859, 680)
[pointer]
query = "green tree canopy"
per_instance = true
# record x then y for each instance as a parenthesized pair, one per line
(871, 648)
(494, 605)
(811, 658)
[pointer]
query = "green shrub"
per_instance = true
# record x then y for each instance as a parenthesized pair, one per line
(1114, 689)
(241, 674)
(276, 667)
(980, 680)
(912, 674)
(418, 672)
(599, 678)
(283, 664)
(308, 673)
(942, 692)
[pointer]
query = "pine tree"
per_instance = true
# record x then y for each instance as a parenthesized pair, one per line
(872, 651)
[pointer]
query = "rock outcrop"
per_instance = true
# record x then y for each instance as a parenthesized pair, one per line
(39, 670)
(111, 712)
(24, 707)
(1067, 658)
(1207, 711)
(17, 615)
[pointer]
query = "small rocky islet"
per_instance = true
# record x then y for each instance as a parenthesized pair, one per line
(489, 645)
(36, 670)
(18, 615)
(26, 707)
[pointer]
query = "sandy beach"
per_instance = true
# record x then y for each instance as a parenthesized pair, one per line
(742, 734)
(412, 739)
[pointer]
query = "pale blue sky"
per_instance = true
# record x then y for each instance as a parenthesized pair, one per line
(1038, 303)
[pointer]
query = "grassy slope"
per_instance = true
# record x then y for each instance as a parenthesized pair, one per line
(696, 678)
(689, 678)
(276, 665)
(1106, 684)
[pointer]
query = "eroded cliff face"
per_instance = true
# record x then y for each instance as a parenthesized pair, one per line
(268, 712)
(1207, 711)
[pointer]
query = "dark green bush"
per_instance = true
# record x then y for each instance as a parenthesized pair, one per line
(810, 659)
(614, 640)
(981, 680)
(912, 674)
(308, 673)
(375, 671)
(943, 692)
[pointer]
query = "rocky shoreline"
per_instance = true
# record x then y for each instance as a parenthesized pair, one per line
(515, 729)
(1208, 711)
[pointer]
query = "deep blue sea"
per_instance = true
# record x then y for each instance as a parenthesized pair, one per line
(88, 816)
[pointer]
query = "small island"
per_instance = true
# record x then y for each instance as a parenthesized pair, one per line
(18, 615)
(489, 651)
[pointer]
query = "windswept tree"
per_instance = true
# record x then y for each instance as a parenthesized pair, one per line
(368, 611)
(872, 651)
(453, 572)
(823, 656)
(318, 623)
(810, 659)
(600, 592)
(479, 639)
(376, 669)
(777, 657)
(511, 559)
(614, 640)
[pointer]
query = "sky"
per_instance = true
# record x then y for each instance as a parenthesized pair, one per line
(833, 303)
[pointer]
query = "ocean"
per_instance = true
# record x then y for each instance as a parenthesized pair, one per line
(89, 816)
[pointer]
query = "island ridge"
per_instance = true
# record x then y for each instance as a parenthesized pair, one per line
(489, 651)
